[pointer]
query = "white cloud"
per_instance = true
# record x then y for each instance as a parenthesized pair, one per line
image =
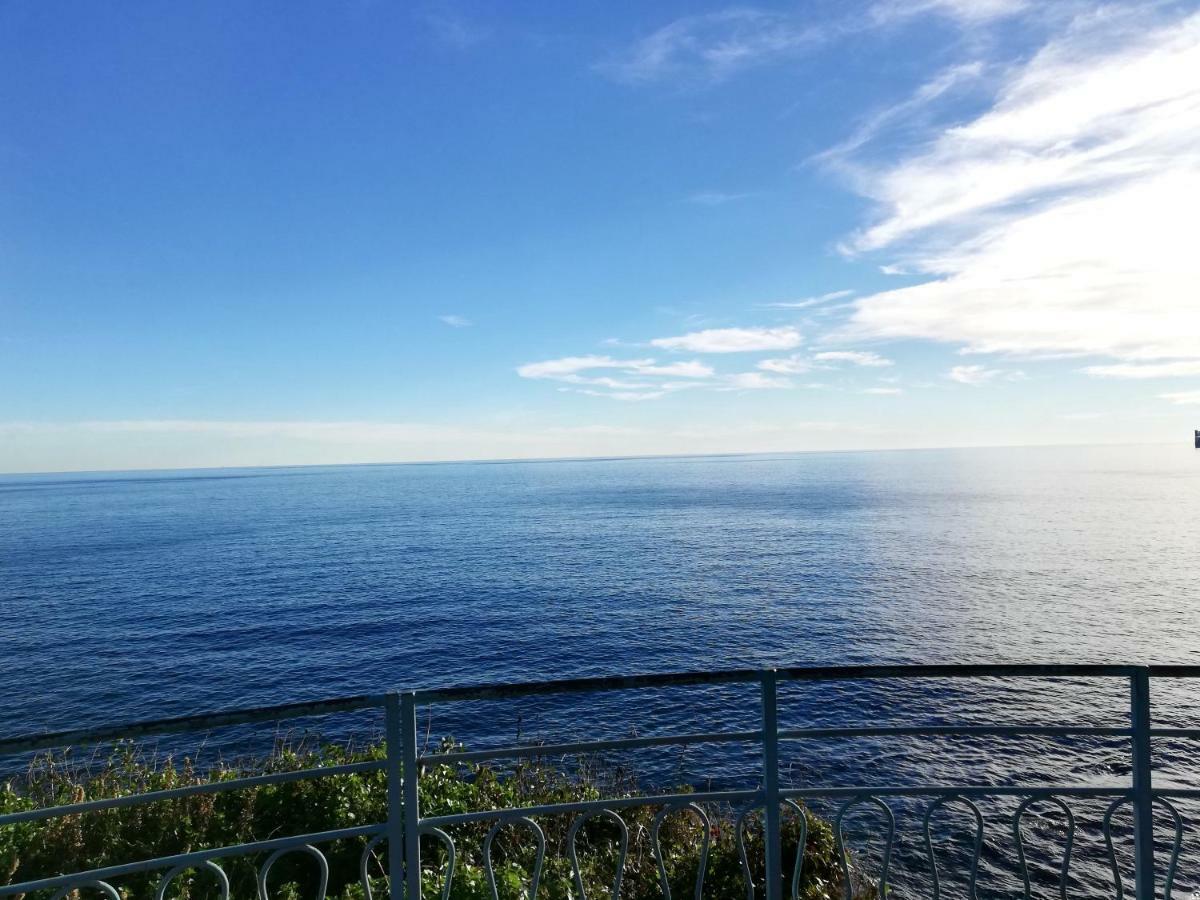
(856, 357)
(455, 321)
(732, 340)
(791, 365)
(973, 375)
(1147, 370)
(886, 12)
(905, 113)
(884, 391)
(1183, 397)
(629, 396)
(756, 381)
(711, 46)
(1060, 221)
(716, 198)
(693, 369)
(810, 301)
(571, 365)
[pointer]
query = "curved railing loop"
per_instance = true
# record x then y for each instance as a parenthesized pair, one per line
(801, 846)
(364, 860)
(172, 874)
(705, 823)
(448, 843)
(977, 850)
(744, 855)
(1177, 844)
(840, 838)
(322, 866)
(573, 855)
(1020, 841)
(102, 886)
(540, 835)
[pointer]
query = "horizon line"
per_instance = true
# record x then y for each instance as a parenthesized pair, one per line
(557, 459)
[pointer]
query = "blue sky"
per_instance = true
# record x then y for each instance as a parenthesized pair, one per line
(283, 233)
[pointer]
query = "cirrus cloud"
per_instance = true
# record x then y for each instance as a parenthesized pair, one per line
(732, 340)
(1060, 221)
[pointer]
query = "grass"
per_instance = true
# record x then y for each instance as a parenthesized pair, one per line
(74, 843)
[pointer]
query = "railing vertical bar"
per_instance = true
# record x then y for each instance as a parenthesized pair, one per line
(770, 730)
(1143, 798)
(395, 793)
(412, 811)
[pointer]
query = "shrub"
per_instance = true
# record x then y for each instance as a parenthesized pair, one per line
(75, 843)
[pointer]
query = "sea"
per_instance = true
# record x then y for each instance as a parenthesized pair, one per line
(127, 596)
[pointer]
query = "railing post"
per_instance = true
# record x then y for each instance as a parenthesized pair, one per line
(412, 811)
(770, 732)
(395, 792)
(1143, 799)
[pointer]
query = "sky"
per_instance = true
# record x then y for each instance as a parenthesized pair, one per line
(330, 232)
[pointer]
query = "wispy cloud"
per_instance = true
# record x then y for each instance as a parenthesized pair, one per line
(1176, 369)
(886, 12)
(717, 198)
(455, 321)
(692, 369)
(796, 364)
(908, 112)
(884, 391)
(756, 381)
(854, 357)
(732, 340)
(639, 379)
(453, 30)
(712, 46)
(1061, 220)
(973, 375)
(807, 302)
(1183, 397)
(827, 359)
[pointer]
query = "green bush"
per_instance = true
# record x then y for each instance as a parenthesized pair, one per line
(106, 837)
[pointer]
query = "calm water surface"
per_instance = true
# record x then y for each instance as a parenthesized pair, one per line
(130, 596)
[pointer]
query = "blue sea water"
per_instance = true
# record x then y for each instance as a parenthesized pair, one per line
(138, 595)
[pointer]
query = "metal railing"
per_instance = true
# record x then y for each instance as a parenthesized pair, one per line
(405, 825)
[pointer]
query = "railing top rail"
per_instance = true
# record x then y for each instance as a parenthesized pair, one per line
(29, 743)
(797, 673)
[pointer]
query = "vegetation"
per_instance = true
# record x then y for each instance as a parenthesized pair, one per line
(75, 843)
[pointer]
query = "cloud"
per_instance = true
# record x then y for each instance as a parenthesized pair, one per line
(884, 391)
(856, 357)
(648, 381)
(791, 365)
(628, 396)
(973, 375)
(886, 12)
(453, 30)
(693, 369)
(1183, 397)
(571, 365)
(1174, 369)
(455, 321)
(732, 340)
(716, 198)
(1061, 220)
(711, 46)
(810, 301)
(756, 381)
(906, 113)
